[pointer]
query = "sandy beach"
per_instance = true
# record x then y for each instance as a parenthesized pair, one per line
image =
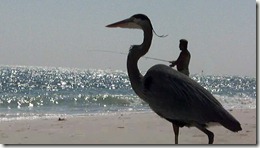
(121, 128)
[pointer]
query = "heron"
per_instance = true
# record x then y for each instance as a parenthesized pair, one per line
(171, 94)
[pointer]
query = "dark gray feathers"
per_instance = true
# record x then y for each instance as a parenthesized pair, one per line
(175, 96)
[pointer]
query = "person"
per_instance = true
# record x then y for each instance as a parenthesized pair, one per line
(183, 60)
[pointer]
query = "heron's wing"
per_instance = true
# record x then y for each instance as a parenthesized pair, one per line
(175, 96)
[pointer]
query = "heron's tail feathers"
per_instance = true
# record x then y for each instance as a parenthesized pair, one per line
(229, 122)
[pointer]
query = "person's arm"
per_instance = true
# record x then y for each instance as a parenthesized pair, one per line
(173, 63)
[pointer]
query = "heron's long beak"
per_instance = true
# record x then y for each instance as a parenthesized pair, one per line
(127, 23)
(122, 24)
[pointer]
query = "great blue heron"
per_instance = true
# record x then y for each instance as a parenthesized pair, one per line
(169, 93)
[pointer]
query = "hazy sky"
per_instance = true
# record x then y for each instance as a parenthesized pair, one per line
(61, 33)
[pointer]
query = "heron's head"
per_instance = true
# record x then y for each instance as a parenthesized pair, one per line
(137, 21)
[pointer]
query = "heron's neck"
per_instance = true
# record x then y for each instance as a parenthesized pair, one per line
(136, 52)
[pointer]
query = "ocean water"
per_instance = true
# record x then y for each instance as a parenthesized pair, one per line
(33, 92)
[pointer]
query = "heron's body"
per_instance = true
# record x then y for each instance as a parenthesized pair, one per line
(169, 93)
(199, 107)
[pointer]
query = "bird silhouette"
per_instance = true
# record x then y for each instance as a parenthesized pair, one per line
(169, 93)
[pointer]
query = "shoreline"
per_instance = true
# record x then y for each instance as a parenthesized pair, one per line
(121, 128)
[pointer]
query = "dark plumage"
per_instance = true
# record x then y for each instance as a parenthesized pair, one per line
(171, 94)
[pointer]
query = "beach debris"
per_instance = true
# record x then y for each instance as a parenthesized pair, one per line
(61, 119)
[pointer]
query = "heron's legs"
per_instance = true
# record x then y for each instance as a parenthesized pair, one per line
(207, 132)
(176, 132)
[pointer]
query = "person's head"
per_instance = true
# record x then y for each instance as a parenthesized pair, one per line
(183, 44)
